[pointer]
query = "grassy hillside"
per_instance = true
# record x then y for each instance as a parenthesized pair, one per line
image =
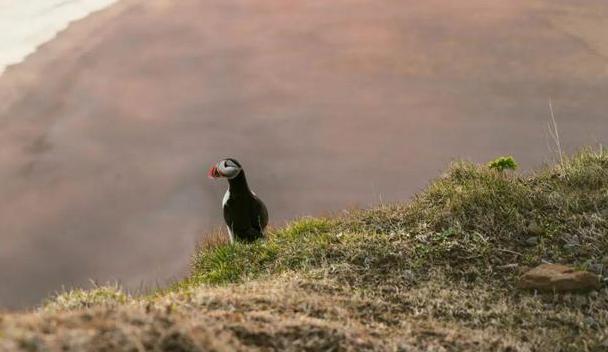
(435, 274)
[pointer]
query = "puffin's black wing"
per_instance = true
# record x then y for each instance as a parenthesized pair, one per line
(259, 215)
(247, 218)
(228, 215)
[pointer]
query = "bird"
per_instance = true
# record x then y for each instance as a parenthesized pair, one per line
(245, 214)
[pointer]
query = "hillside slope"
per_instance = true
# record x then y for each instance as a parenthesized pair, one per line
(436, 274)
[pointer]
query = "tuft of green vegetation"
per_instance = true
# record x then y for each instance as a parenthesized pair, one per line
(437, 273)
(503, 163)
(300, 245)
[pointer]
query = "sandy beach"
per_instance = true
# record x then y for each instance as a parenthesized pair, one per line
(106, 132)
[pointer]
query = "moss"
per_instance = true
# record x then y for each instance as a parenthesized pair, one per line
(503, 163)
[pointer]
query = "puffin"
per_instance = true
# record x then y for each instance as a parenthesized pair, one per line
(245, 214)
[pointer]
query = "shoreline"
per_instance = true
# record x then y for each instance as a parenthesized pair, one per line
(16, 78)
(18, 52)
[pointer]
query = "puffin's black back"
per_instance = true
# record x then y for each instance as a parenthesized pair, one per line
(244, 213)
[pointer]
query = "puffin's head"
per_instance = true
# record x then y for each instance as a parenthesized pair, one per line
(228, 168)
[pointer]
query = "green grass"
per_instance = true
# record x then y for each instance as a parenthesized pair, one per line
(300, 245)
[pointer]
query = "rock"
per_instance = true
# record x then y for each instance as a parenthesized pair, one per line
(556, 277)
(532, 241)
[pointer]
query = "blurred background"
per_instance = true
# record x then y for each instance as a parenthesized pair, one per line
(108, 129)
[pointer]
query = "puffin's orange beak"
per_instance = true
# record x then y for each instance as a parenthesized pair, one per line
(214, 172)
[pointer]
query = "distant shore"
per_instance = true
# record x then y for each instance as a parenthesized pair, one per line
(28, 25)
(29, 62)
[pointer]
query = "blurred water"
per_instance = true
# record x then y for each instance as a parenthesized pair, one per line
(25, 25)
(328, 104)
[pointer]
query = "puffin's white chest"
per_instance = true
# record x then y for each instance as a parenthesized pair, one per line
(226, 196)
(224, 201)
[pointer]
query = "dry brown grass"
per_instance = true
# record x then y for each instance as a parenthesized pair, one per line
(288, 313)
(213, 239)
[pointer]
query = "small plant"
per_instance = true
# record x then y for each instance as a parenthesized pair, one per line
(503, 163)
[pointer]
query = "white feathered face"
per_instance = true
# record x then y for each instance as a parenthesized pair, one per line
(228, 168)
